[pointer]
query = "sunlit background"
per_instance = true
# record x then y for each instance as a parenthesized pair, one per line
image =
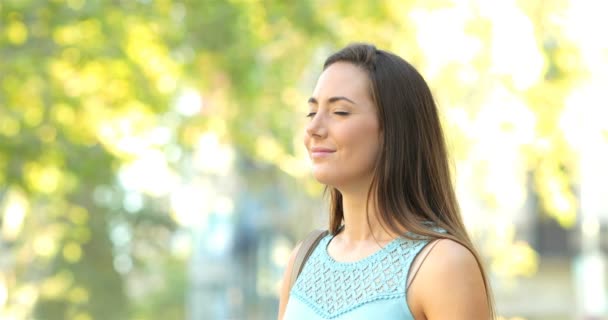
(151, 164)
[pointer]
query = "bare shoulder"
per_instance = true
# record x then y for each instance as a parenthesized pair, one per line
(451, 257)
(288, 269)
(292, 256)
(285, 284)
(450, 284)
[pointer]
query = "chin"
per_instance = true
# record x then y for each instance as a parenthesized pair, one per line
(327, 178)
(323, 177)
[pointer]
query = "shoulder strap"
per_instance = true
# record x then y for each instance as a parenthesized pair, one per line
(418, 261)
(308, 244)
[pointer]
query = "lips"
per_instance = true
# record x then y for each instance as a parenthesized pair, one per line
(320, 152)
(320, 149)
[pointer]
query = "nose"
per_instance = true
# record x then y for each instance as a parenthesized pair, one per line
(316, 127)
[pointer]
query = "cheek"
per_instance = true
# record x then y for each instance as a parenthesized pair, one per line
(370, 141)
(371, 151)
(365, 138)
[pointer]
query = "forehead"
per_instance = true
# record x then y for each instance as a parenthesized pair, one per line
(343, 79)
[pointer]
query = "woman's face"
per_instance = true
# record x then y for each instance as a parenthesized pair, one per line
(343, 135)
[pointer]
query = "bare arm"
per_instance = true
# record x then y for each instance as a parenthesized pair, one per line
(284, 296)
(449, 285)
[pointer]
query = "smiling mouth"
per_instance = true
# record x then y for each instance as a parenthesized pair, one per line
(320, 153)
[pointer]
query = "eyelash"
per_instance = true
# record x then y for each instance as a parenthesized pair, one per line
(340, 113)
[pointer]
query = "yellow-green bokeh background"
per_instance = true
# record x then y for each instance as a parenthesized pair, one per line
(151, 164)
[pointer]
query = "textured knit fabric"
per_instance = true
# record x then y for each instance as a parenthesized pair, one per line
(371, 288)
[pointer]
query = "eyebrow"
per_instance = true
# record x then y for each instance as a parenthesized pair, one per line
(331, 100)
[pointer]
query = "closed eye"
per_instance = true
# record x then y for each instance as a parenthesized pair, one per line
(340, 113)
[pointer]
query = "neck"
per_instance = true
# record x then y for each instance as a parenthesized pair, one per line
(357, 209)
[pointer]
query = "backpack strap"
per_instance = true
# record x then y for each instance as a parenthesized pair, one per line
(306, 248)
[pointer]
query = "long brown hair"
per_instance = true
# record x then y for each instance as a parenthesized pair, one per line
(412, 181)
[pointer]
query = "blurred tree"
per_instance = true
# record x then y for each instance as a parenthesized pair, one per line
(80, 83)
(86, 85)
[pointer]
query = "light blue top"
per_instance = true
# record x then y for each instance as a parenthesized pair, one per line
(371, 288)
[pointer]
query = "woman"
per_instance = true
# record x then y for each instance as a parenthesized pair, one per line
(397, 247)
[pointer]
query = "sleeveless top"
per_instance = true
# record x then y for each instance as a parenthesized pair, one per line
(371, 288)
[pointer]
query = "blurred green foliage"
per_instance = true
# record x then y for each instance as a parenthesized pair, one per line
(79, 77)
